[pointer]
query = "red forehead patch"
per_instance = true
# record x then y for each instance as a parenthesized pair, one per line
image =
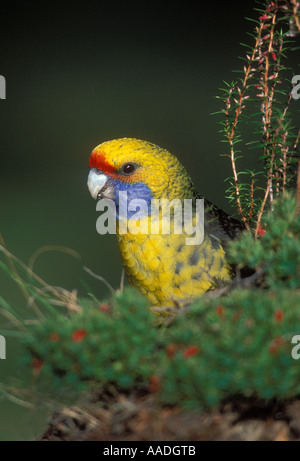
(98, 160)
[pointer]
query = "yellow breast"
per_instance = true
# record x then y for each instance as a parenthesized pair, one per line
(167, 270)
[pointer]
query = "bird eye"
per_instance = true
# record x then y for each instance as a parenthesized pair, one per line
(128, 168)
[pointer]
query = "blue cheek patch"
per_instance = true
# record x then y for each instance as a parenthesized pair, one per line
(134, 191)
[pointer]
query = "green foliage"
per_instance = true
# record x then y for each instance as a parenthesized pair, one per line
(277, 252)
(101, 344)
(237, 343)
(243, 345)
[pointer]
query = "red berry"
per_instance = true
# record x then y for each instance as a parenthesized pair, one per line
(78, 335)
(191, 350)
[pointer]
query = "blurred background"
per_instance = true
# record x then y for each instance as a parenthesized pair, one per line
(77, 76)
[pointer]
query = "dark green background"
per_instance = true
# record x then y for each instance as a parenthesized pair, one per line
(82, 74)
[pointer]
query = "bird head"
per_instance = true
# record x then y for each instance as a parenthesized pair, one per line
(142, 169)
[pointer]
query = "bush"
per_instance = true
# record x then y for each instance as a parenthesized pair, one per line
(237, 343)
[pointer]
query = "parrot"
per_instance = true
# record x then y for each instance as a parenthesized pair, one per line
(161, 265)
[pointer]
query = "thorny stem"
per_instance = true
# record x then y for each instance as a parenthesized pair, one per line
(230, 133)
(284, 148)
(298, 190)
(267, 118)
(270, 170)
(298, 177)
(295, 4)
(267, 108)
(252, 197)
(284, 163)
(277, 152)
(261, 210)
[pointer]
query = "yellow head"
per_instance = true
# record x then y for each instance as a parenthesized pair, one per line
(139, 167)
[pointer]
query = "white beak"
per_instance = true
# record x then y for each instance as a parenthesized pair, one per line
(96, 182)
